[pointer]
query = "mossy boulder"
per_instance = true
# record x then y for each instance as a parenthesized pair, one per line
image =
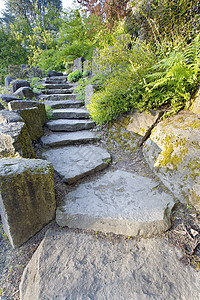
(15, 140)
(23, 104)
(195, 107)
(27, 197)
(173, 152)
(130, 130)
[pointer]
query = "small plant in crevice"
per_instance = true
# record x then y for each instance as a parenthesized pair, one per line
(49, 112)
(74, 76)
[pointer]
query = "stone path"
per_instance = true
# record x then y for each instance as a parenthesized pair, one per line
(69, 265)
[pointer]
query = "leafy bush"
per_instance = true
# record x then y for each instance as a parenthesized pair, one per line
(141, 80)
(74, 76)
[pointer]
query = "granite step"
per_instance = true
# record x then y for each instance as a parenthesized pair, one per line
(59, 97)
(75, 162)
(63, 104)
(69, 138)
(70, 113)
(58, 86)
(59, 91)
(119, 202)
(70, 125)
(55, 79)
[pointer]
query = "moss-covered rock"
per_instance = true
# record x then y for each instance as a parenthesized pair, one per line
(195, 107)
(27, 197)
(15, 140)
(31, 116)
(23, 104)
(173, 152)
(130, 130)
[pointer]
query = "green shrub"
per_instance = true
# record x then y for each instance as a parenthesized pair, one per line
(74, 76)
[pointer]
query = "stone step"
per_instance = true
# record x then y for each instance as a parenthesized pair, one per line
(58, 91)
(63, 103)
(55, 78)
(70, 113)
(70, 125)
(59, 97)
(69, 138)
(57, 86)
(75, 162)
(107, 267)
(119, 202)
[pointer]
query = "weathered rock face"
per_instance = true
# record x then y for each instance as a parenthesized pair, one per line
(31, 116)
(23, 104)
(195, 107)
(130, 131)
(24, 92)
(70, 265)
(78, 64)
(27, 197)
(16, 84)
(173, 151)
(14, 137)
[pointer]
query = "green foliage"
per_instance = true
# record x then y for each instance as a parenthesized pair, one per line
(74, 76)
(137, 78)
(174, 79)
(11, 52)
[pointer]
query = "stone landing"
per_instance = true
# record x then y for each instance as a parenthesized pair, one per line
(118, 202)
(70, 265)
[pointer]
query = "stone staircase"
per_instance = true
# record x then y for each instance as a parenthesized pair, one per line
(119, 202)
(70, 125)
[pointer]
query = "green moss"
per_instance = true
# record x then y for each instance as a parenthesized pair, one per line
(168, 155)
(193, 125)
(194, 169)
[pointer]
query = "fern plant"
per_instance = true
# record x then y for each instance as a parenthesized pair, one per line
(174, 79)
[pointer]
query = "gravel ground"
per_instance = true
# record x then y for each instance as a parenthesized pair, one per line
(184, 233)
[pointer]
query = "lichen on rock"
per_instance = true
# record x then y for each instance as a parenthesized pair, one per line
(173, 152)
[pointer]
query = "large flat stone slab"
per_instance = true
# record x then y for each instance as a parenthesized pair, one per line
(27, 197)
(118, 202)
(69, 265)
(63, 104)
(70, 113)
(68, 138)
(75, 162)
(70, 125)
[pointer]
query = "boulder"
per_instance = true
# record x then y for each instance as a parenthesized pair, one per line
(130, 130)
(89, 91)
(24, 92)
(78, 64)
(8, 82)
(31, 117)
(75, 265)
(195, 107)
(173, 152)
(54, 73)
(8, 98)
(14, 137)
(23, 104)
(16, 84)
(27, 197)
